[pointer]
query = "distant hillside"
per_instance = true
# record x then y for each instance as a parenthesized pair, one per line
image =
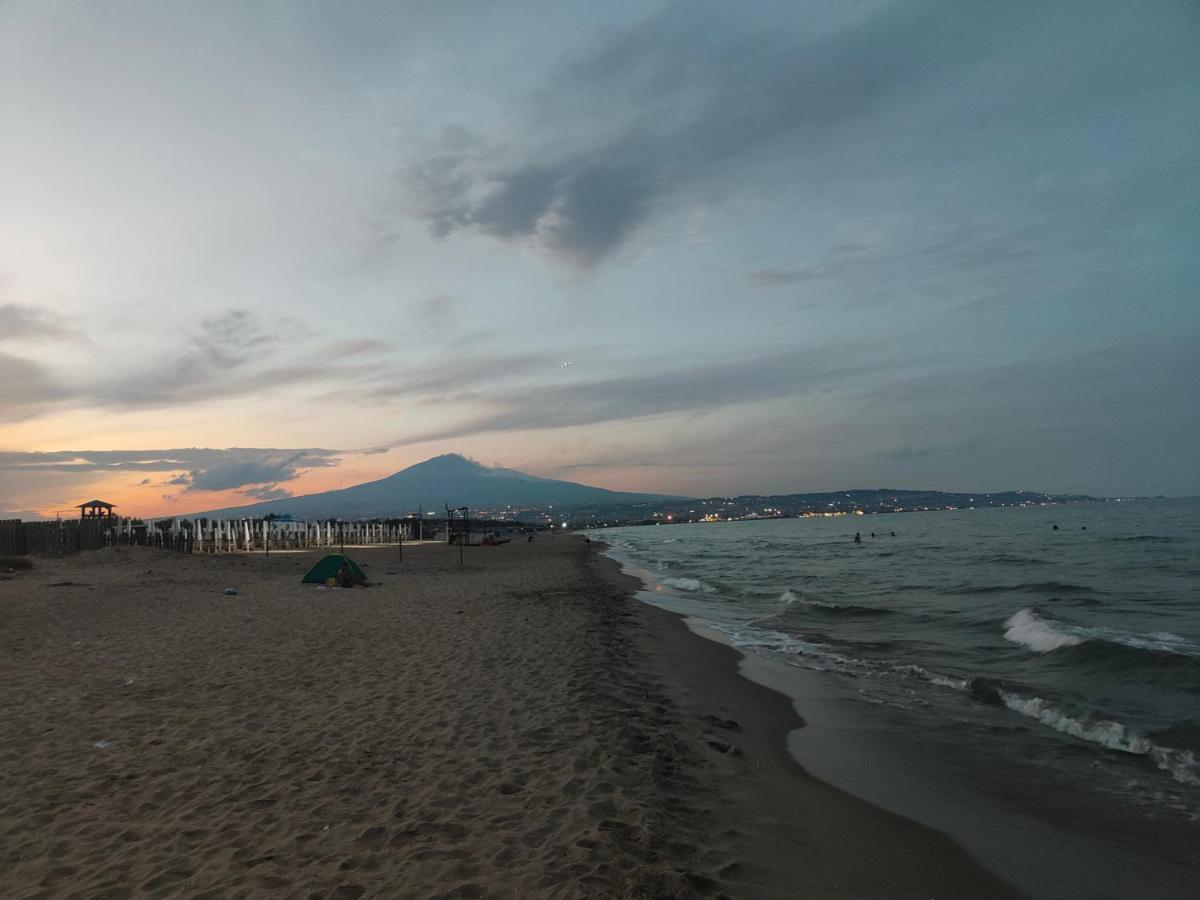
(864, 500)
(449, 479)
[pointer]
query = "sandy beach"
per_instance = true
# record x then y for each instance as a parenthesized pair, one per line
(513, 726)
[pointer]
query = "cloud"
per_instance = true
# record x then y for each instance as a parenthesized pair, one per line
(699, 87)
(441, 381)
(921, 451)
(26, 388)
(211, 358)
(356, 347)
(267, 468)
(689, 96)
(775, 277)
(12, 512)
(207, 469)
(692, 389)
(266, 492)
(228, 355)
(20, 322)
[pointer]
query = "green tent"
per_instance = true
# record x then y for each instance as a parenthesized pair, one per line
(329, 568)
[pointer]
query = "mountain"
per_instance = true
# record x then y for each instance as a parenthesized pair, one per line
(449, 479)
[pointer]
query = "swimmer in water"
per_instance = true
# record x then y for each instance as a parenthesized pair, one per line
(858, 537)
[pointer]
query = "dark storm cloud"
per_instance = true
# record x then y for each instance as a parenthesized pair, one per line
(680, 97)
(685, 92)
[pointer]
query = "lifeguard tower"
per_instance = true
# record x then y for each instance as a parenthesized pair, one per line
(458, 526)
(96, 511)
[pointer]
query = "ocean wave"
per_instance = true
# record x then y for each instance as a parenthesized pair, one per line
(1143, 538)
(1010, 559)
(1181, 764)
(1028, 587)
(800, 602)
(1043, 635)
(821, 657)
(1156, 641)
(796, 650)
(695, 585)
(1039, 635)
(946, 681)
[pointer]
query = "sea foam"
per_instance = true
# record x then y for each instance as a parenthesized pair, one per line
(1181, 764)
(690, 584)
(1040, 635)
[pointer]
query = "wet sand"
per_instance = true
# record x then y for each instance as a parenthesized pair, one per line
(516, 726)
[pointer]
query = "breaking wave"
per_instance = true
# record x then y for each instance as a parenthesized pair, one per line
(1181, 764)
(801, 604)
(1040, 635)
(694, 585)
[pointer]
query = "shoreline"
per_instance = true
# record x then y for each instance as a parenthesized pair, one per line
(1053, 848)
(801, 835)
(516, 726)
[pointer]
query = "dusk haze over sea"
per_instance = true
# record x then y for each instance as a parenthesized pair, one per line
(884, 316)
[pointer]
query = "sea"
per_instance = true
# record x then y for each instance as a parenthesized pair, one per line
(1026, 679)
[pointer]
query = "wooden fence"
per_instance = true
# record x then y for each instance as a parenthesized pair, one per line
(18, 538)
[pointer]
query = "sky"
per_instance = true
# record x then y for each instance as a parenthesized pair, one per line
(252, 250)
